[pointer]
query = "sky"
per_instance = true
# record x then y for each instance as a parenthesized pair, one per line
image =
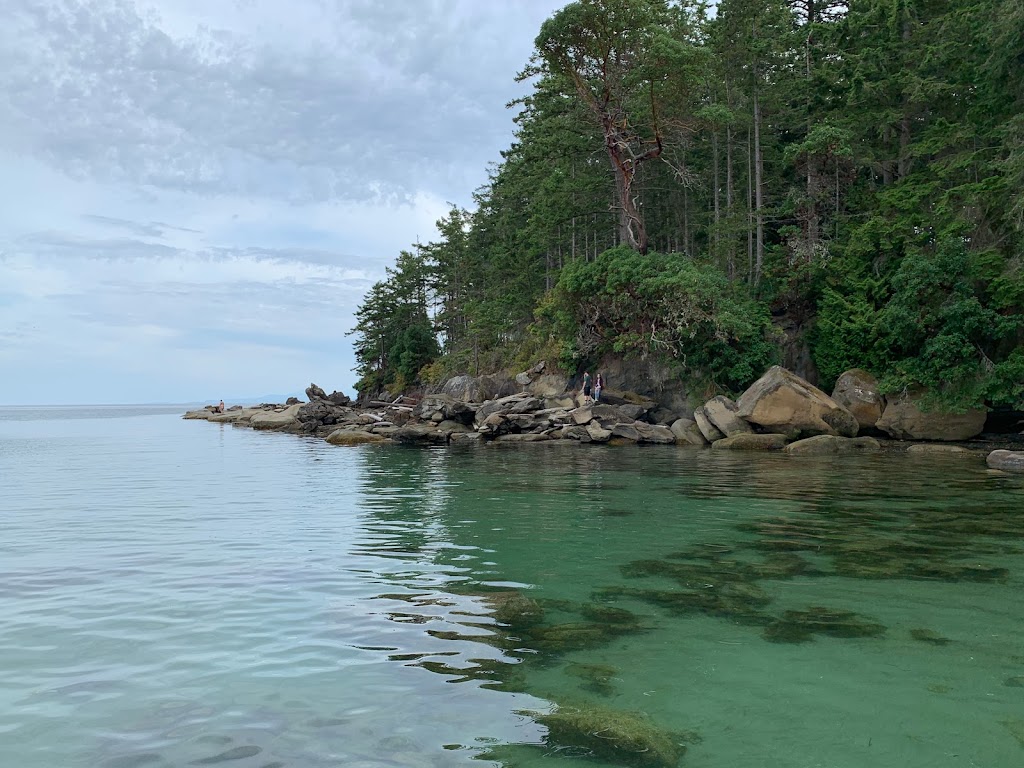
(197, 194)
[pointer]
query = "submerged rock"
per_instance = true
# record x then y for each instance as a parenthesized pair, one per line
(801, 626)
(612, 736)
(831, 444)
(751, 443)
(929, 636)
(934, 448)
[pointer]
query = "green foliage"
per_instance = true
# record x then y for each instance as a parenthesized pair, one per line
(661, 304)
(890, 218)
(940, 332)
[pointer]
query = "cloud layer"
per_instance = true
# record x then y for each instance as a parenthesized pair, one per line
(199, 193)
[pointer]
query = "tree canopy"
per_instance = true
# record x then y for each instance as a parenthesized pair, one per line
(682, 184)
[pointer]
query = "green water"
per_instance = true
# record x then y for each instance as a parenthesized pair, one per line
(927, 554)
(178, 593)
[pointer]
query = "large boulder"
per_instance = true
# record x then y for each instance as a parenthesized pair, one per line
(721, 411)
(313, 392)
(710, 431)
(275, 419)
(548, 385)
(1008, 461)
(654, 433)
(354, 437)
(858, 392)
(905, 419)
(782, 402)
(478, 389)
(441, 407)
(687, 432)
(647, 376)
(420, 435)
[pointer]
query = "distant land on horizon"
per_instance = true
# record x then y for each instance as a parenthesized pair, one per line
(228, 401)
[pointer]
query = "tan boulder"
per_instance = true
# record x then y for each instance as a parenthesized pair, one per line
(354, 437)
(783, 402)
(904, 419)
(654, 433)
(597, 433)
(275, 419)
(687, 432)
(857, 391)
(710, 431)
(1008, 461)
(751, 443)
(721, 411)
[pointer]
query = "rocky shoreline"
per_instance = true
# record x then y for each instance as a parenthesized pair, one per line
(779, 412)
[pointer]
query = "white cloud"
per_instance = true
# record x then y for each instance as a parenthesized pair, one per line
(198, 193)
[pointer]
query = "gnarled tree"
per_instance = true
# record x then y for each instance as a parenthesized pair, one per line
(623, 59)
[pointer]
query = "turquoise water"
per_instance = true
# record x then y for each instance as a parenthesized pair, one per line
(178, 593)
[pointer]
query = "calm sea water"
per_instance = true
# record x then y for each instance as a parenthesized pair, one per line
(177, 593)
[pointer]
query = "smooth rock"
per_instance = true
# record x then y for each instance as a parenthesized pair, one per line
(522, 438)
(1007, 461)
(771, 442)
(626, 432)
(275, 420)
(783, 402)
(710, 431)
(598, 434)
(904, 419)
(582, 416)
(687, 431)
(354, 437)
(419, 435)
(933, 448)
(821, 445)
(858, 392)
(721, 411)
(655, 433)
(548, 385)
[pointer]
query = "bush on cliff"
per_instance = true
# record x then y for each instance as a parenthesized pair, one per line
(666, 305)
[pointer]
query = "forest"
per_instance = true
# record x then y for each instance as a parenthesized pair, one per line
(715, 185)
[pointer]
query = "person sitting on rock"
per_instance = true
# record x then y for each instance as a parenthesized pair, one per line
(598, 386)
(219, 408)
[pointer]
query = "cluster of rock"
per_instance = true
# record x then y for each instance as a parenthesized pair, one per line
(780, 411)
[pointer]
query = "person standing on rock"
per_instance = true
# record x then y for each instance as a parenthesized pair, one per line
(586, 387)
(598, 386)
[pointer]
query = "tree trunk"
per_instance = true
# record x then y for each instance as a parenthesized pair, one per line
(728, 202)
(758, 190)
(714, 154)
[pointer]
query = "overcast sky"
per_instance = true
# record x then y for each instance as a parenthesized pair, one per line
(197, 193)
